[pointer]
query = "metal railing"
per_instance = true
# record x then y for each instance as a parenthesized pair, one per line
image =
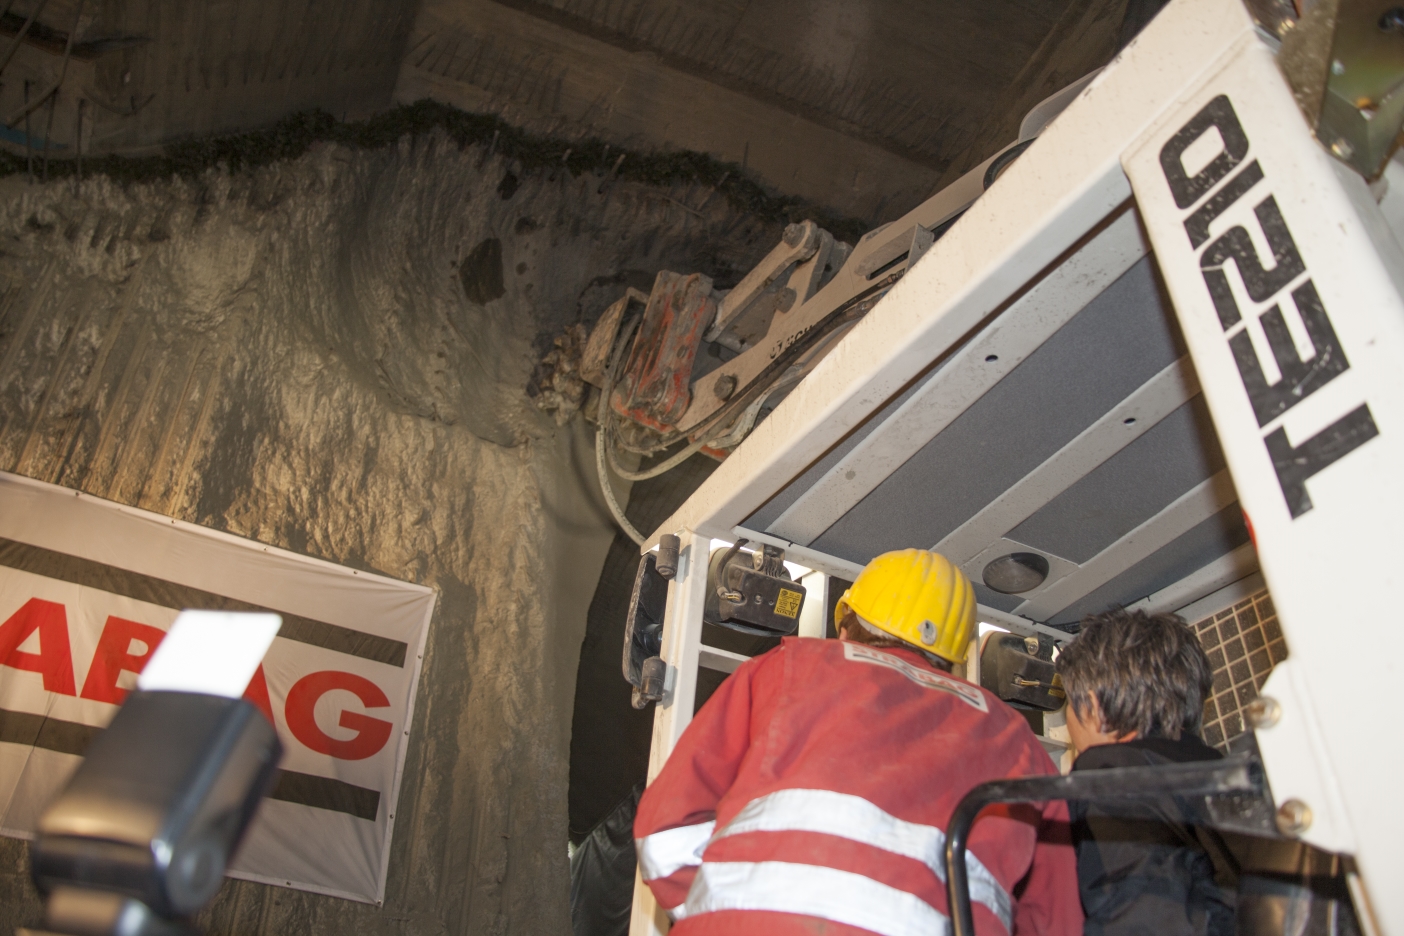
(1237, 783)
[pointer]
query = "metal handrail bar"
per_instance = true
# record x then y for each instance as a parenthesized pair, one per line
(1238, 774)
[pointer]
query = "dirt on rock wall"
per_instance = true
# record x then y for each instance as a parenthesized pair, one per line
(330, 354)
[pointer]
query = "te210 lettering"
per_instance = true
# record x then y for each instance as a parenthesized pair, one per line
(1264, 280)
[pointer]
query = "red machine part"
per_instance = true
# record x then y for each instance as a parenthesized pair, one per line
(653, 390)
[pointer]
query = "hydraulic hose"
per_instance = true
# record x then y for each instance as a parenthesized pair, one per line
(603, 470)
(664, 466)
(602, 438)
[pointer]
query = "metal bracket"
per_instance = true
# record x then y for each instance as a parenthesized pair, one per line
(922, 239)
(799, 243)
(1345, 62)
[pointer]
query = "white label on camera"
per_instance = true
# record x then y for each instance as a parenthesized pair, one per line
(213, 652)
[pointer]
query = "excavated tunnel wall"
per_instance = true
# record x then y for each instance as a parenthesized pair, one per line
(330, 354)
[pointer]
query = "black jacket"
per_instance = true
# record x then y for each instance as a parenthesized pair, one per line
(1145, 870)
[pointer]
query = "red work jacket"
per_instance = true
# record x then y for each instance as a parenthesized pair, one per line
(810, 795)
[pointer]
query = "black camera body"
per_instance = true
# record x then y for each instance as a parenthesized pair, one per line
(161, 801)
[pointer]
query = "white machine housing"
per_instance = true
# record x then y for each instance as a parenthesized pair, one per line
(1284, 275)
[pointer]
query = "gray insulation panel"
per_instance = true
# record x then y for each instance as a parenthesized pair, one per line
(1119, 341)
(1193, 550)
(1109, 349)
(771, 510)
(1127, 489)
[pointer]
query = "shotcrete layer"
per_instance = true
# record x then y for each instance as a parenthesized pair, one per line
(329, 354)
(292, 136)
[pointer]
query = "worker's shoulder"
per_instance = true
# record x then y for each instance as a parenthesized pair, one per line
(1142, 752)
(796, 650)
(794, 644)
(893, 663)
(835, 664)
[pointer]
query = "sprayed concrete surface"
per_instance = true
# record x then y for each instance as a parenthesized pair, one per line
(330, 355)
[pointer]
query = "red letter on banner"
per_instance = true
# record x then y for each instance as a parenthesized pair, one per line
(371, 733)
(257, 693)
(114, 655)
(55, 658)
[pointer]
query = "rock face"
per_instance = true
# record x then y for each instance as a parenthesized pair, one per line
(330, 355)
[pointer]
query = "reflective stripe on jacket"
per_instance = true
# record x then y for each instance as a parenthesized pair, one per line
(816, 784)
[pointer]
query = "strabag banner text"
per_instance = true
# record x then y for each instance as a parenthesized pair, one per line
(88, 588)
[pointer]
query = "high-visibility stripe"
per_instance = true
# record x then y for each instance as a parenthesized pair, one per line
(811, 890)
(663, 853)
(852, 817)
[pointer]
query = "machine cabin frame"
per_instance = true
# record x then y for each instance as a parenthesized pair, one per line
(1286, 281)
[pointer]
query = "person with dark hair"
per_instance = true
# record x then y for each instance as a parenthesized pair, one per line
(1136, 685)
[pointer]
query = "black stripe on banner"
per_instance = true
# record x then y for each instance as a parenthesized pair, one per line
(90, 574)
(66, 737)
(48, 733)
(326, 793)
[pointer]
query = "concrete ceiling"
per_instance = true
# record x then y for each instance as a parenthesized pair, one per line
(863, 106)
(171, 69)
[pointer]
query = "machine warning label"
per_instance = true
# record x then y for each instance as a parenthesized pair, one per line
(788, 603)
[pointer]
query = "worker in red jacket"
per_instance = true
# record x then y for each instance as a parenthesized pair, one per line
(810, 794)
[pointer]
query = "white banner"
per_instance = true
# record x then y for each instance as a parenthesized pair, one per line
(88, 589)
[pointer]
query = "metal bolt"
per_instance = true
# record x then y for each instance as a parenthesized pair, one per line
(1031, 646)
(794, 233)
(724, 387)
(1293, 817)
(1264, 712)
(653, 676)
(667, 562)
(1337, 67)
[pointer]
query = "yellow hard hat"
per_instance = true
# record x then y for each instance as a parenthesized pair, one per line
(918, 597)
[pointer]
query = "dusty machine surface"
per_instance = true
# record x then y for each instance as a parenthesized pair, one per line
(1155, 365)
